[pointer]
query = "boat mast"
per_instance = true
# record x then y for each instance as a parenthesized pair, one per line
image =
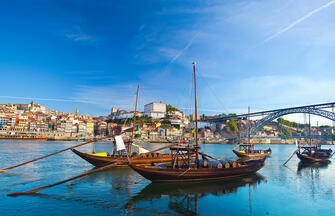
(249, 125)
(250, 146)
(309, 125)
(196, 115)
(135, 112)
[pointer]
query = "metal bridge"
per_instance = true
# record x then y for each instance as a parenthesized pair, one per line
(316, 109)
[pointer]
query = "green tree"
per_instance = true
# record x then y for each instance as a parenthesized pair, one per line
(232, 125)
(169, 107)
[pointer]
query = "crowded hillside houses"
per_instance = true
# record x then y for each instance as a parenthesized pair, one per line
(158, 120)
(36, 120)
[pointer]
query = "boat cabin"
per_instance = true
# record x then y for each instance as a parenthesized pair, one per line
(182, 156)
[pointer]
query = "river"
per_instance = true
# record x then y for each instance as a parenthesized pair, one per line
(274, 190)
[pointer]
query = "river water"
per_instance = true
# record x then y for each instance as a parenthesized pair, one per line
(274, 190)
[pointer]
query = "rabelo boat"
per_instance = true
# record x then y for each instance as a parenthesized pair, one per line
(313, 152)
(121, 154)
(248, 150)
(187, 168)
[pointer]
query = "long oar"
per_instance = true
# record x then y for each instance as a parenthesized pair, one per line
(229, 151)
(79, 176)
(291, 156)
(36, 159)
(29, 192)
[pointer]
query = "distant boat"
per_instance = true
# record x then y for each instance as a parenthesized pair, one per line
(313, 154)
(35, 138)
(103, 159)
(247, 150)
(185, 168)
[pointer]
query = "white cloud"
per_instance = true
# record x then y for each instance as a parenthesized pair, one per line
(80, 37)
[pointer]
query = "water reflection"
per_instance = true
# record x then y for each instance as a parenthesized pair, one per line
(312, 165)
(312, 171)
(118, 179)
(183, 198)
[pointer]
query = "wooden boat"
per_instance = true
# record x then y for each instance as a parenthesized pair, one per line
(122, 160)
(35, 138)
(314, 154)
(201, 173)
(185, 168)
(121, 154)
(248, 151)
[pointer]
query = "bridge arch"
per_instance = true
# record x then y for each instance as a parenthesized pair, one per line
(259, 125)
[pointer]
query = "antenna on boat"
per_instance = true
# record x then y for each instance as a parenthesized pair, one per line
(196, 114)
(135, 112)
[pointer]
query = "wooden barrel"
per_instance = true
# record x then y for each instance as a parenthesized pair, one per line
(205, 163)
(234, 164)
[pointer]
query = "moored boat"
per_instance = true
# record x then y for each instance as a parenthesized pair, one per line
(248, 151)
(314, 154)
(36, 138)
(121, 154)
(100, 160)
(191, 174)
(187, 168)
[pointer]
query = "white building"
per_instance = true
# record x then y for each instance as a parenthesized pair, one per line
(155, 107)
(155, 110)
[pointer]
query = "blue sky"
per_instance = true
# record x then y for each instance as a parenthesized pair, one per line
(265, 54)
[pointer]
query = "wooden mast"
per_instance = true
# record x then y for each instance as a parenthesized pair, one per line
(309, 126)
(196, 115)
(249, 125)
(135, 112)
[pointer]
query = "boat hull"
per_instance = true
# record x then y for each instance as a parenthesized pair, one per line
(308, 158)
(122, 161)
(25, 138)
(252, 155)
(192, 174)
